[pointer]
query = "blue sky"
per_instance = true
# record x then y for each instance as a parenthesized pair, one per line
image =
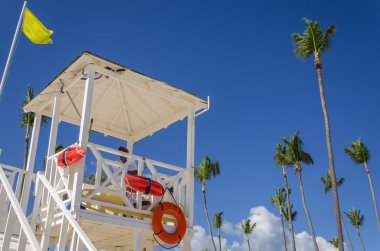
(239, 53)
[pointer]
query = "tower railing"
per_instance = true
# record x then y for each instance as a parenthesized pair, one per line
(109, 182)
(109, 179)
(57, 212)
(12, 214)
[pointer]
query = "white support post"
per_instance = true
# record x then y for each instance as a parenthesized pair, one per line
(138, 245)
(29, 169)
(189, 212)
(49, 216)
(83, 138)
(190, 165)
(52, 141)
(139, 194)
(63, 234)
(50, 171)
(31, 160)
(80, 245)
(130, 145)
(186, 243)
(74, 241)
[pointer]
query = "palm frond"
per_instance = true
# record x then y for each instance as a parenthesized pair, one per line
(327, 181)
(27, 118)
(207, 169)
(358, 152)
(293, 213)
(247, 227)
(295, 154)
(355, 217)
(218, 220)
(326, 40)
(306, 158)
(313, 40)
(280, 156)
(334, 242)
(279, 198)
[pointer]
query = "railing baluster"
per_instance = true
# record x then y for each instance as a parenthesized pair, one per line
(17, 210)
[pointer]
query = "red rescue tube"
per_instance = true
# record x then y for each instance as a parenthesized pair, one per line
(70, 156)
(144, 185)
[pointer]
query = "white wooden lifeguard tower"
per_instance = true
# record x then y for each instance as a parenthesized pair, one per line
(69, 211)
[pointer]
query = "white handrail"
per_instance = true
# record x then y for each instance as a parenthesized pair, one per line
(74, 224)
(19, 212)
(132, 156)
(16, 169)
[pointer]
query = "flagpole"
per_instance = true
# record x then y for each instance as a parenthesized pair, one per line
(11, 52)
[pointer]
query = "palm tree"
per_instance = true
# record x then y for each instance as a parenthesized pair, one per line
(359, 153)
(357, 220)
(280, 158)
(292, 213)
(328, 184)
(334, 242)
(218, 221)
(27, 120)
(279, 200)
(207, 170)
(315, 42)
(297, 156)
(248, 230)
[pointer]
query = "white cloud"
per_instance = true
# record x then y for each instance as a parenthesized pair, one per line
(202, 240)
(231, 229)
(267, 235)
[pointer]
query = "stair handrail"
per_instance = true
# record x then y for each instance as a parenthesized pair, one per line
(19, 212)
(70, 218)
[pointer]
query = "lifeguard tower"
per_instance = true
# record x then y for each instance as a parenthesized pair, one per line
(70, 212)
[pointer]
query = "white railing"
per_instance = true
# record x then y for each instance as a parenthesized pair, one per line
(56, 209)
(169, 176)
(113, 185)
(10, 207)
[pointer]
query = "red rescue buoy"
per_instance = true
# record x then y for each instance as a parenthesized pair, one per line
(144, 185)
(70, 156)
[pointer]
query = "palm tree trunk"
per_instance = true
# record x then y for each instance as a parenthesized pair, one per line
(290, 222)
(360, 238)
(26, 148)
(330, 154)
(348, 236)
(283, 229)
(249, 246)
(373, 193)
(220, 240)
(307, 212)
(26, 153)
(207, 218)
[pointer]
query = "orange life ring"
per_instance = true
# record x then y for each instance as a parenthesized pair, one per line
(158, 228)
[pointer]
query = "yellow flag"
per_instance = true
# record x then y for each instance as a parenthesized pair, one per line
(35, 30)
